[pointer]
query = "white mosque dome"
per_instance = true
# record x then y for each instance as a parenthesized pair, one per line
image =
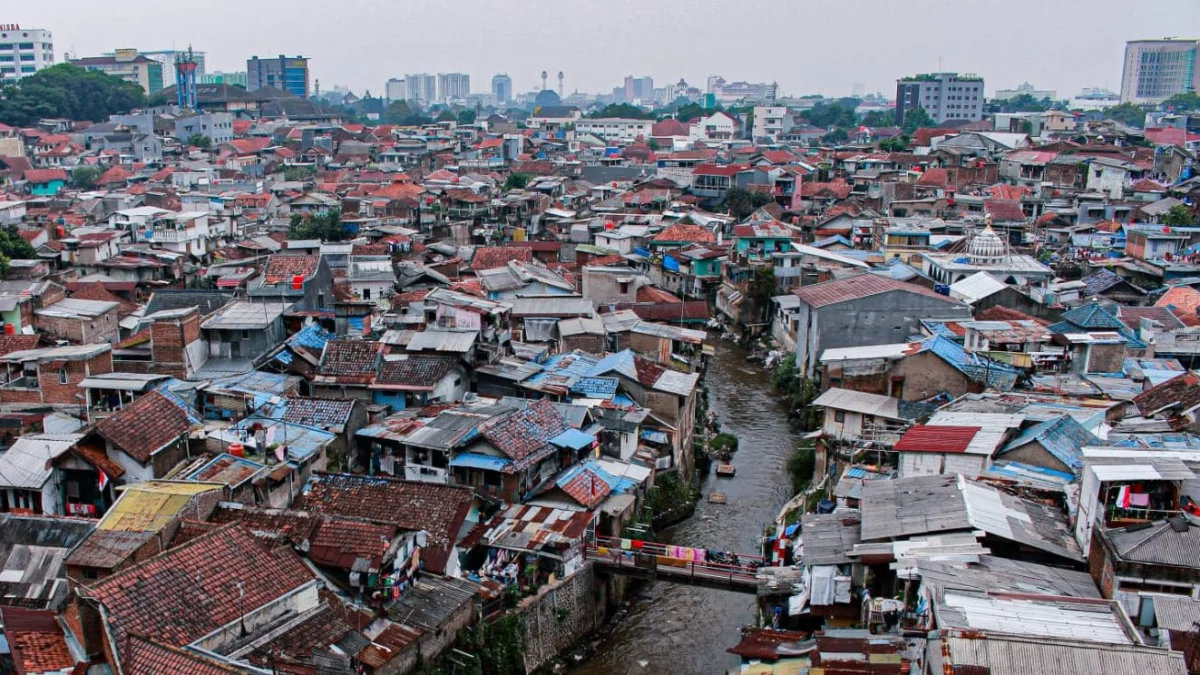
(987, 248)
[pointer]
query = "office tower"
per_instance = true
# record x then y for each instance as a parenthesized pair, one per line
(1156, 70)
(289, 73)
(943, 96)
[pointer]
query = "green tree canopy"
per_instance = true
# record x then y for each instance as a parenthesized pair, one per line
(466, 116)
(1185, 102)
(741, 202)
(69, 92)
(517, 181)
(915, 119)
(693, 110)
(623, 110)
(895, 143)
(396, 112)
(879, 118)
(200, 141)
(446, 116)
(1025, 103)
(322, 226)
(835, 137)
(84, 176)
(1127, 114)
(836, 114)
(1179, 216)
(12, 246)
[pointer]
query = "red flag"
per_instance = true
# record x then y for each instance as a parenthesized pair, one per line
(103, 482)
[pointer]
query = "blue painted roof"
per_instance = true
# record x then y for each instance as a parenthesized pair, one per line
(1062, 437)
(835, 239)
(595, 387)
(301, 442)
(570, 367)
(573, 439)
(979, 368)
(621, 362)
(618, 484)
(1021, 471)
(475, 460)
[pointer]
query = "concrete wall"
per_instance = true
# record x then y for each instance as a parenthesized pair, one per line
(924, 374)
(558, 616)
(1033, 453)
(886, 318)
(102, 328)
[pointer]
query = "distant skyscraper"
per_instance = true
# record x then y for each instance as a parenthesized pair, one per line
(28, 50)
(502, 88)
(453, 86)
(944, 96)
(1156, 70)
(167, 57)
(289, 73)
(421, 88)
(217, 77)
(639, 89)
(396, 89)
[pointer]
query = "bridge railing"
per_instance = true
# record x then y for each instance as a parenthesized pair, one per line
(663, 559)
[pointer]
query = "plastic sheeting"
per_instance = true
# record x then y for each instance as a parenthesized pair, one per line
(823, 591)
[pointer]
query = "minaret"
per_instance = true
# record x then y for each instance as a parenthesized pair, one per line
(560, 84)
(544, 76)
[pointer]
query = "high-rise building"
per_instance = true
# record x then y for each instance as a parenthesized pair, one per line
(453, 86)
(129, 65)
(24, 51)
(395, 89)
(421, 88)
(639, 89)
(1156, 70)
(943, 96)
(289, 73)
(502, 88)
(167, 57)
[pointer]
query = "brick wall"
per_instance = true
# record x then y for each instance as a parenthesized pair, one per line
(102, 328)
(168, 343)
(55, 391)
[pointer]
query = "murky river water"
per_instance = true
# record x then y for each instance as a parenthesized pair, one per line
(674, 628)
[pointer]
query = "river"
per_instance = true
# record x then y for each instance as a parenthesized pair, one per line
(673, 628)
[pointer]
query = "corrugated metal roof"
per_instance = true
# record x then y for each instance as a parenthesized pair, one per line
(857, 287)
(28, 464)
(1010, 655)
(1088, 620)
(860, 402)
(936, 438)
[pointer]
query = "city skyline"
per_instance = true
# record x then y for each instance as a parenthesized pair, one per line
(803, 61)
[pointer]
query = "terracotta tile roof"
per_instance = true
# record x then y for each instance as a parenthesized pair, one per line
(293, 527)
(686, 232)
(838, 189)
(1004, 209)
(192, 590)
(587, 488)
(1177, 395)
(525, 434)
(409, 505)
(491, 257)
(282, 267)
(339, 542)
(251, 146)
(45, 175)
(1185, 299)
(344, 359)
(37, 641)
(934, 178)
(96, 291)
(655, 294)
(144, 655)
(319, 412)
(147, 425)
(1132, 316)
(416, 372)
(115, 174)
(856, 287)
(691, 310)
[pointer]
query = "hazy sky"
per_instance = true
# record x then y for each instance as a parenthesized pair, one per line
(807, 46)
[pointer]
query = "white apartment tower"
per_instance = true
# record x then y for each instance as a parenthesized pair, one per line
(24, 51)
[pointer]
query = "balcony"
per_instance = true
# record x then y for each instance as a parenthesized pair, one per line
(426, 474)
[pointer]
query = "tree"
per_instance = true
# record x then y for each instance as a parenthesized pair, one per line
(915, 119)
(692, 111)
(322, 226)
(84, 177)
(741, 202)
(1179, 216)
(70, 92)
(623, 110)
(1185, 102)
(879, 118)
(200, 141)
(653, 145)
(12, 246)
(1127, 114)
(446, 116)
(466, 116)
(299, 173)
(835, 114)
(895, 143)
(1025, 103)
(835, 137)
(517, 181)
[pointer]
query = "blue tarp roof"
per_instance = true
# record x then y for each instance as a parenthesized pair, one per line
(475, 460)
(573, 439)
(978, 368)
(595, 387)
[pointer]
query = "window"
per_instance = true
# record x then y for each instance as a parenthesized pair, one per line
(63, 377)
(27, 57)
(366, 294)
(25, 45)
(839, 416)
